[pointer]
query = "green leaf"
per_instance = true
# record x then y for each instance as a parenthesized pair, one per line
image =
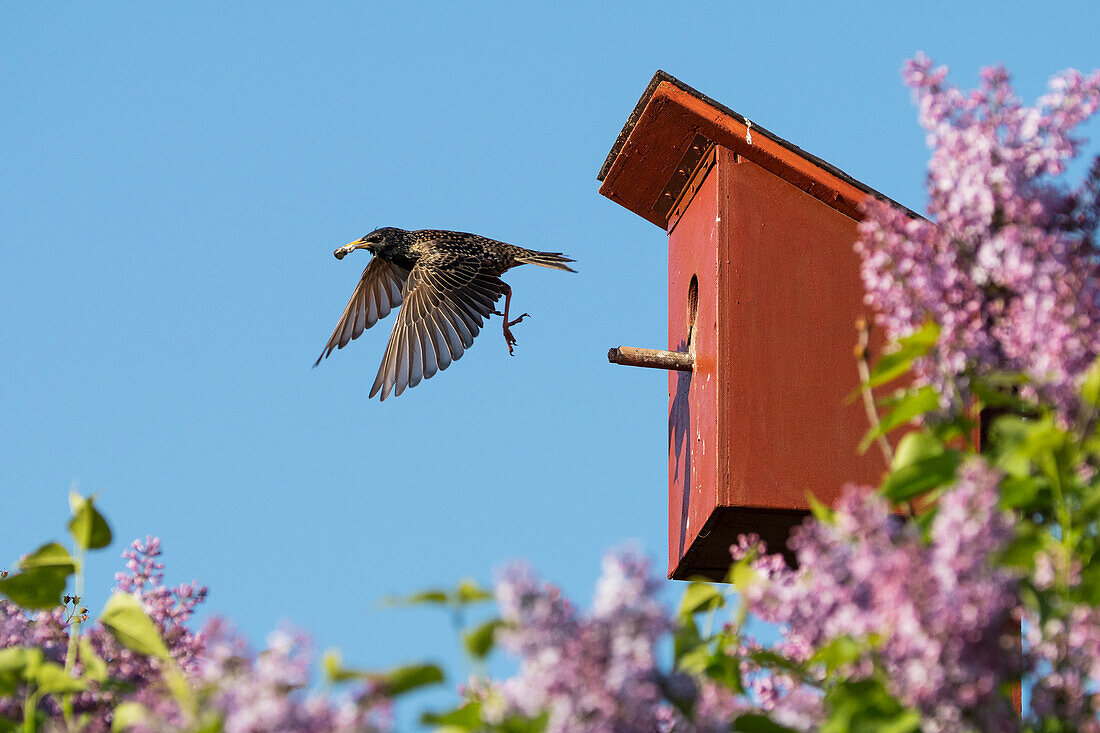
(334, 668)
(410, 677)
(892, 365)
(915, 447)
(821, 512)
(36, 589)
(211, 722)
(469, 592)
(179, 687)
(908, 405)
(88, 527)
(1001, 393)
(920, 463)
(466, 593)
(923, 339)
(95, 668)
(1090, 387)
(757, 723)
(1029, 541)
(1018, 491)
(129, 624)
(479, 640)
(521, 724)
(725, 670)
(743, 576)
(838, 653)
(913, 403)
(685, 638)
(43, 578)
(1090, 502)
(17, 664)
(959, 428)
(127, 715)
(45, 574)
(395, 681)
(427, 597)
(700, 595)
(1013, 441)
(465, 717)
(51, 556)
(766, 658)
(919, 477)
(696, 660)
(865, 706)
(1090, 582)
(52, 679)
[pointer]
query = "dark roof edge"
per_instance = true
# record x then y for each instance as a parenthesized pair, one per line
(624, 133)
(662, 76)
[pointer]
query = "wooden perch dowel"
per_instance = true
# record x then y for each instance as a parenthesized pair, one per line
(652, 358)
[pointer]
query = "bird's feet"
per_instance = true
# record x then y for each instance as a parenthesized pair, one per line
(508, 337)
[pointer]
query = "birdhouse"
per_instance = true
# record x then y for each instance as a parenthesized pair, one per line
(763, 294)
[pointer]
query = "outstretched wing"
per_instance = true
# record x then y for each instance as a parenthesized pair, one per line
(446, 298)
(378, 292)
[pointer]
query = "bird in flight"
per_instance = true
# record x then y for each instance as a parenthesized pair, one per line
(445, 282)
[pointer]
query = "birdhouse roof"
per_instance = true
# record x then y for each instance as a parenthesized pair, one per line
(668, 135)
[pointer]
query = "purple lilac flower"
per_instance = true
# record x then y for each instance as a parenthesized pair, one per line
(1007, 269)
(1067, 657)
(942, 611)
(249, 692)
(267, 692)
(169, 608)
(593, 673)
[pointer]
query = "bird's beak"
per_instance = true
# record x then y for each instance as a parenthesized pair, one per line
(349, 248)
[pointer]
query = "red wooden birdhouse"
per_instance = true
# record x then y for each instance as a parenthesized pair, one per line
(763, 294)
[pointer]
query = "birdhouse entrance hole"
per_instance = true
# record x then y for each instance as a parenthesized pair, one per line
(692, 312)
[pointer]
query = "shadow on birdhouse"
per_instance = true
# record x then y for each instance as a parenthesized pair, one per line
(763, 294)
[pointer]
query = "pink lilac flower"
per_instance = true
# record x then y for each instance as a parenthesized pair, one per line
(249, 692)
(594, 673)
(941, 612)
(1008, 267)
(268, 692)
(169, 608)
(1067, 658)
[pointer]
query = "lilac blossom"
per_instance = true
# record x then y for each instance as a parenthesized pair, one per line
(1007, 269)
(268, 691)
(936, 616)
(593, 673)
(247, 692)
(1067, 656)
(169, 608)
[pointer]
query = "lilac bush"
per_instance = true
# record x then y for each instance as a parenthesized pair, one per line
(936, 614)
(230, 689)
(1007, 267)
(592, 673)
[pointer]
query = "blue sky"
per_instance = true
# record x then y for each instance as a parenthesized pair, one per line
(175, 178)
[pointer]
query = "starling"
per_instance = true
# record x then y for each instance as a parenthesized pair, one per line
(445, 282)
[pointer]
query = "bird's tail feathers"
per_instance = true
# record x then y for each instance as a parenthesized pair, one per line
(553, 260)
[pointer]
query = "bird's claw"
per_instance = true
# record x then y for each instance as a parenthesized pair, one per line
(508, 337)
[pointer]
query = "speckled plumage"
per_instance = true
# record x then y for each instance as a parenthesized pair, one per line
(446, 284)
